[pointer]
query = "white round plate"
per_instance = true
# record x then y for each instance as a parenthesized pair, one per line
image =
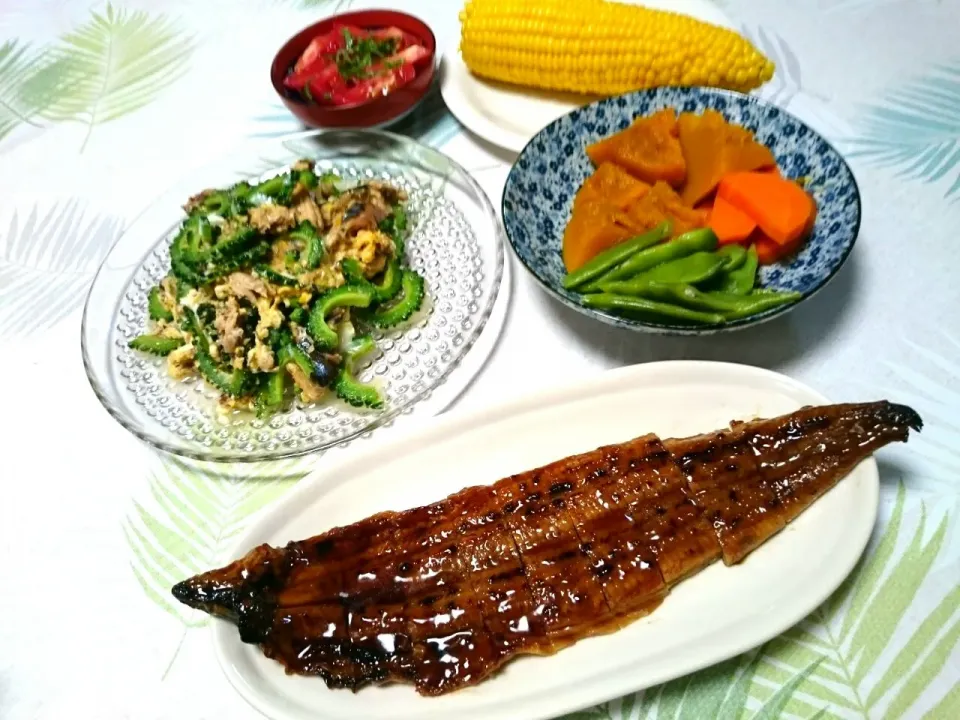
(509, 117)
(718, 613)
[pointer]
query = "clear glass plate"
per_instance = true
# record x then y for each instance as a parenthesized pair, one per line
(455, 242)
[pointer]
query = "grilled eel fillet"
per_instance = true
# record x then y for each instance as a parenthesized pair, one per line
(443, 595)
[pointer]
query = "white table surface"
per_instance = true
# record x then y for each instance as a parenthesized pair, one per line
(86, 630)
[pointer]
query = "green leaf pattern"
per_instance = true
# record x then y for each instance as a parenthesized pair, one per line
(17, 60)
(917, 129)
(939, 444)
(47, 260)
(194, 517)
(112, 65)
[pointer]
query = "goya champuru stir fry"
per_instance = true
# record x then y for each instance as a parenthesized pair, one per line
(274, 289)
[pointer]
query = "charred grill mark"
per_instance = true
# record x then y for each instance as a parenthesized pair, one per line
(322, 548)
(652, 458)
(504, 600)
(626, 570)
(509, 574)
(601, 569)
(561, 580)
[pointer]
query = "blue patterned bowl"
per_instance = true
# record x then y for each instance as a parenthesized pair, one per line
(539, 192)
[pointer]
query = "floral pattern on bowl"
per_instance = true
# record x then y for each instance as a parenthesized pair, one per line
(540, 188)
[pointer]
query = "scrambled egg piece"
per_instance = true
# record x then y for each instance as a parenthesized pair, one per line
(260, 358)
(270, 317)
(371, 247)
(194, 299)
(180, 361)
(166, 330)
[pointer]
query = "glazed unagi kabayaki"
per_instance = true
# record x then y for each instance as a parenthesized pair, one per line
(441, 596)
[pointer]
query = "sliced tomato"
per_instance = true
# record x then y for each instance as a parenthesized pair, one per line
(296, 80)
(318, 73)
(323, 84)
(387, 33)
(404, 39)
(404, 74)
(384, 81)
(412, 55)
(318, 48)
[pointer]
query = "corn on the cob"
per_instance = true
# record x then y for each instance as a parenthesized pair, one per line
(599, 47)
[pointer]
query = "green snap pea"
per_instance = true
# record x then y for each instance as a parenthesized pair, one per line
(740, 281)
(688, 296)
(768, 291)
(643, 307)
(692, 269)
(602, 262)
(694, 241)
(759, 302)
(733, 256)
(732, 306)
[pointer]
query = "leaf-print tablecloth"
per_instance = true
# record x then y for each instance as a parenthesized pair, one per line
(103, 106)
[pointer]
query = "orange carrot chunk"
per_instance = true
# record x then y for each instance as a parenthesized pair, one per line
(780, 207)
(729, 223)
(769, 251)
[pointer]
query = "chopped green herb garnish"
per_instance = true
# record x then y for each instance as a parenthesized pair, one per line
(359, 54)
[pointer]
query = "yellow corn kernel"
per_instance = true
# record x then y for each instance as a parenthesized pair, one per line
(599, 47)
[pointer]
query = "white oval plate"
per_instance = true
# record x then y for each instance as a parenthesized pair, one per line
(509, 117)
(714, 615)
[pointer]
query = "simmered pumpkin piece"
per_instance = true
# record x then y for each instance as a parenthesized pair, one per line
(701, 137)
(612, 184)
(649, 149)
(712, 148)
(742, 153)
(592, 229)
(663, 203)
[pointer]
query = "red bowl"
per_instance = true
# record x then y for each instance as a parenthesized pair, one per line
(373, 112)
